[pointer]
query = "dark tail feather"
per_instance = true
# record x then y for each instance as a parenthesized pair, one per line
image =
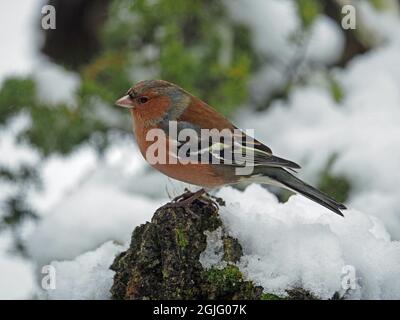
(295, 184)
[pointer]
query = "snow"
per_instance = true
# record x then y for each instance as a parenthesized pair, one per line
(300, 244)
(19, 55)
(265, 19)
(275, 26)
(61, 174)
(55, 85)
(17, 36)
(14, 153)
(381, 25)
(212, 255)
(87, 277)
(16, 280)
(326, 43)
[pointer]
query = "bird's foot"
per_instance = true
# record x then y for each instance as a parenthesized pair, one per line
(186, 199)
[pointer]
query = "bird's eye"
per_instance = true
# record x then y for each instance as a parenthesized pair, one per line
(142, 100)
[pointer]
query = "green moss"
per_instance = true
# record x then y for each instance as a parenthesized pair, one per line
(228, 283)
(181, 238)
(270, 296)
(224, 278)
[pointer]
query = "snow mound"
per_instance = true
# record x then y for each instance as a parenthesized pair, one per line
(88, 277)
(301, 244)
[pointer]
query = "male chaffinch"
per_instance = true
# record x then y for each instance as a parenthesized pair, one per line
(156, 104)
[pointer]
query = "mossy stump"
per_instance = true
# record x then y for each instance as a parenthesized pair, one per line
(162, 261)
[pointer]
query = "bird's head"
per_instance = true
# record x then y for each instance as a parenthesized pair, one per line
(155, 99)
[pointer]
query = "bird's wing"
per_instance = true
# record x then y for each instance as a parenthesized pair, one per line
(247, 150)
(229, 147)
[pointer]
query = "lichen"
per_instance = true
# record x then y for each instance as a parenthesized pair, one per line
(181, 238)
(232, 249)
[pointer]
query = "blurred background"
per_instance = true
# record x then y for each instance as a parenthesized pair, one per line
(71, 176)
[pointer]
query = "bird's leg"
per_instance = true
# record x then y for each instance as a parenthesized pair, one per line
(187, 199)
(192, 197)
(183, 196)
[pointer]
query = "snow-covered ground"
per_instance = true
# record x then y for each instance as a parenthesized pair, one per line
(91, 205)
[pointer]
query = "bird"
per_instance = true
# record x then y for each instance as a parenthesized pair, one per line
(156, 106)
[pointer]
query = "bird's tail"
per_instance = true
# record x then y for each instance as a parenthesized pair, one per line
(289, 181)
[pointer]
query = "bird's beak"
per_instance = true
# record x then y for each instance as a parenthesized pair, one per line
(125, 102)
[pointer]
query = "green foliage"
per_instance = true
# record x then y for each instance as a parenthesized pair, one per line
(55, 128)
(190, 43)
(308, 11)
(106, 77)
(16, 212)
(337, 186)
(15, 209)
(60, 129)
(336, 90)
(379, 4)
(15, 94)
(24, 175)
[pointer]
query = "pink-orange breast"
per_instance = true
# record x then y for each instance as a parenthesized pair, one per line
(200, 174)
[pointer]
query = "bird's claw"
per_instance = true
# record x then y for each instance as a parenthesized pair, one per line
(186, 199)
